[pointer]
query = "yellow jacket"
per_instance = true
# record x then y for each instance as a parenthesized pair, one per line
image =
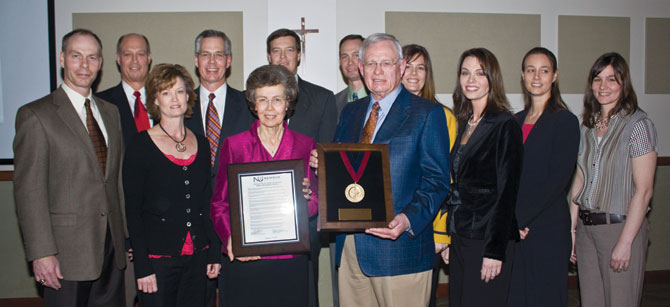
(440, 222)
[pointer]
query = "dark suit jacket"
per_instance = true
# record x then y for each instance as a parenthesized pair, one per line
(341, 100)
(315, 113)
(550, 154)
(159, 213)
(64, 201)
(236, 118)
(484, 191)
(117, 96)
(414, 130)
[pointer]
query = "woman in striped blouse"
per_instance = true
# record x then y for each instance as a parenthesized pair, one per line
(612, 188)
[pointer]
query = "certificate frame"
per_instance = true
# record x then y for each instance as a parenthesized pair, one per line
(383, 194)
(246, 242)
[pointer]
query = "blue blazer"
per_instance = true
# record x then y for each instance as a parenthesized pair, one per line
(416, 131)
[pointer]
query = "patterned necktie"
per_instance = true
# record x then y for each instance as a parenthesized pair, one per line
(97, 138)
(369, 128)
(141, 116)
(213, 128)
(354, 97)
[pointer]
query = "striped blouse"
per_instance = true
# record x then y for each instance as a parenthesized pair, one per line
(607, 165)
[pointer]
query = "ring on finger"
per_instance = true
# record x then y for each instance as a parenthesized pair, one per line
(43, 282)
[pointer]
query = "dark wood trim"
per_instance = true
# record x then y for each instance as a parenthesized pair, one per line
(6, 175)
(663, 161)
(650, 277)
(22, 302)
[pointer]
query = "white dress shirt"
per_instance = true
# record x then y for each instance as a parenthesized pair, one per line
(78, 101)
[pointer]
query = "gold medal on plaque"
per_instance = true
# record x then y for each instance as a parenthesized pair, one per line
(354, 193)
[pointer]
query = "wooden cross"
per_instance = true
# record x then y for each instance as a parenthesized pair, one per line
(302, 32)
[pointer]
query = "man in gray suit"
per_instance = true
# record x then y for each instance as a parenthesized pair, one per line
(67, 157)
(350, 45)
(315, 116)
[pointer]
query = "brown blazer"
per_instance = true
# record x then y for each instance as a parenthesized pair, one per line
(64, 202)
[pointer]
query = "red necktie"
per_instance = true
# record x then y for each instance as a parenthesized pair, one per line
(141, 116)
(97, 138)
(213, 128)
(369, 128)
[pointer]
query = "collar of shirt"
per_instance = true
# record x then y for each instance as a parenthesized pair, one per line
(130, 95)
(362, 93)
(78, 101)
(384, 107)
(219, 102)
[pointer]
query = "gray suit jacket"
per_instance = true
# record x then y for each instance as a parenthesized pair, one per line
(64, 202)
(341, 100)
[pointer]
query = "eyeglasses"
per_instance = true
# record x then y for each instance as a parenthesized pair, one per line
(386, 65)
(218, 56)
(275, 101)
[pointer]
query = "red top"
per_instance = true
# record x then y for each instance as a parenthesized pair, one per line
(526, 130)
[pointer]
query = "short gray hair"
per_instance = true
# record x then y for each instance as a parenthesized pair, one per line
(213, 33)
(377, 38)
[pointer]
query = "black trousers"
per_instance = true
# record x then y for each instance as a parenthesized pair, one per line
(466, 288)
(265, 282)
(106, 291)
(181, 281)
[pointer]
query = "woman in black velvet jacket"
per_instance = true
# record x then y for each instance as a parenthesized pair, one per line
(485, 165)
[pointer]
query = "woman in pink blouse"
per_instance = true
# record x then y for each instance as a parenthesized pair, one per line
(271, 94)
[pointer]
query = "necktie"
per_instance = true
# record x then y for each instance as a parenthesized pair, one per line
(141, 116)
(369, 128)
(213, 128)
(97, 138)
(354, 97)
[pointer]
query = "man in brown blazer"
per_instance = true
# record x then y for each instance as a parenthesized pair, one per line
(67, 153)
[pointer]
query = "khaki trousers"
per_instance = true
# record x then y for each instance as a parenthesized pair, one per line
(599, 285)
(357, 289)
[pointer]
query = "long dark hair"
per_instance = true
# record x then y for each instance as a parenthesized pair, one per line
(627, 100)
(497, 101)
(555, 102)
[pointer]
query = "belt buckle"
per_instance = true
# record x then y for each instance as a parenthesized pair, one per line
(586, 217)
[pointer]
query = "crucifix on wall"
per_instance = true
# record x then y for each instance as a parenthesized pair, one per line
(302, 32)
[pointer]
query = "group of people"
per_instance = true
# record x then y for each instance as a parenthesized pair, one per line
(479, 188)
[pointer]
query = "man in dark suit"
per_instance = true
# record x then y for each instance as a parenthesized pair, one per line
(219, 111)
(67, 157)
(350, 45)
(392, 266)
(315, 116)
(133, 57)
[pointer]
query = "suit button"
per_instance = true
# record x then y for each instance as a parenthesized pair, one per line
(186, 182)
(188, 224)
(188, 196)
(102, 213)
(162, 219)
(188, 210)
(185, 168)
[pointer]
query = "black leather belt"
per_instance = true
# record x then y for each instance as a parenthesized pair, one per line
(590, 218)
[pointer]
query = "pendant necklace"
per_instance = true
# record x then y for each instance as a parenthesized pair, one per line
(602, 124)
(468, 131)
(180, 146)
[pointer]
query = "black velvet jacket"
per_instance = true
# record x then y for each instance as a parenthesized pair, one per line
(483, 195)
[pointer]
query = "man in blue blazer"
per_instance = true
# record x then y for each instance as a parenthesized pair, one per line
(392, 266)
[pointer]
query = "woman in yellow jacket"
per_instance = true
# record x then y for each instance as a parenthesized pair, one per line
(418, 80)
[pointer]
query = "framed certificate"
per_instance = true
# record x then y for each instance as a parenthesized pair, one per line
(268, 211)
(354, 187)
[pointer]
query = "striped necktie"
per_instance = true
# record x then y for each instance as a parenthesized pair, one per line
(97, 138)
(213, 128)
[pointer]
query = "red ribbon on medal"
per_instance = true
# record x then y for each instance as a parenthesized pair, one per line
(361, 168)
